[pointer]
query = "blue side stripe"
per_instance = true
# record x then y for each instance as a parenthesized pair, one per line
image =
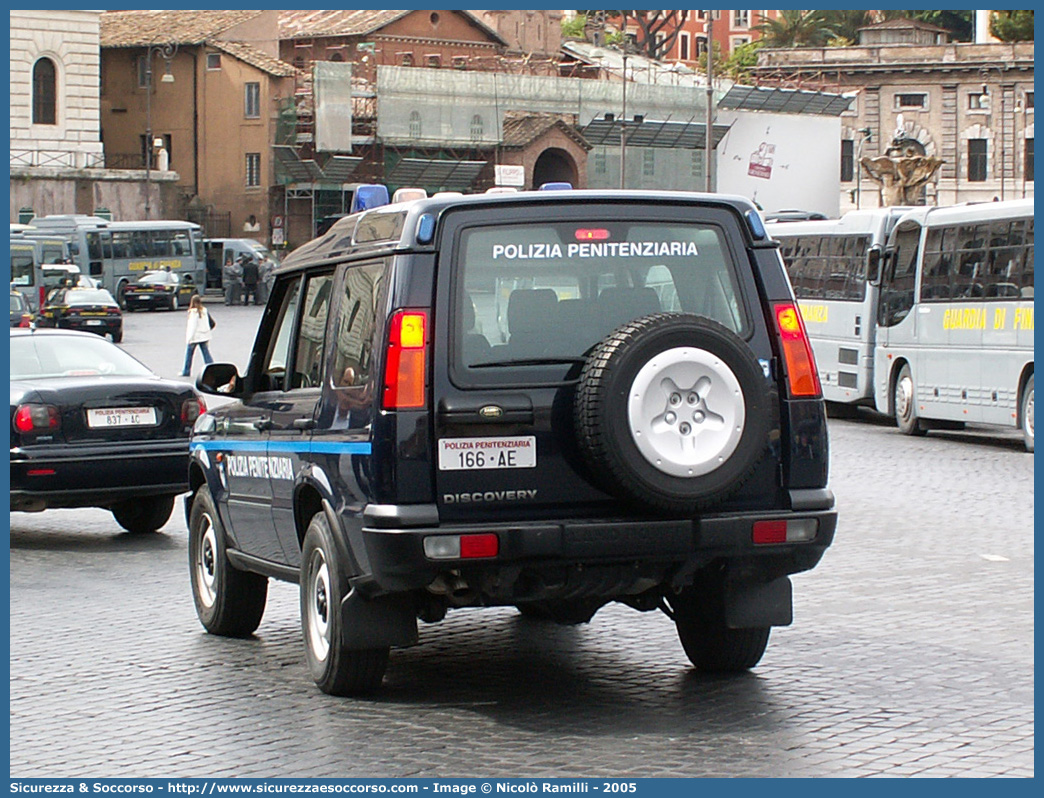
(283, 446)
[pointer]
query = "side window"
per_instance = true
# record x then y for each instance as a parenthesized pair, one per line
(21, 268)
(308, 353)
(897, 294)
(352, 368)
(273, 369)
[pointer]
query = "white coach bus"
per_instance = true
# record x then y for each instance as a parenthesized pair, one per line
(834, 269)
(955, 318)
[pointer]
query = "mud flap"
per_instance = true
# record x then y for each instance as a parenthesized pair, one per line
(756, 604)
(370, 623)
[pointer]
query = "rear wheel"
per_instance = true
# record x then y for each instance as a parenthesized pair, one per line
(1026, 414)
(121, 298)
(336, 669)
(146, 514)
(117, 336)
(905, 402)
(172, 304)
(710, 645)
(228, 602)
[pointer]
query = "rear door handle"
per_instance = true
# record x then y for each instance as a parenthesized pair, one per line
(304, 423)
(263, 424)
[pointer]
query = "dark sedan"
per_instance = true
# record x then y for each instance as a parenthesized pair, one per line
(88, 309)
(93, 427)
(21, 315)
(159, 289)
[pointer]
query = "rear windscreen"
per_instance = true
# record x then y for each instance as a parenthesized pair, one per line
(540, 292)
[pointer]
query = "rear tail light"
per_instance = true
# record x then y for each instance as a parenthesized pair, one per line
(112, 311)
(802, 377)
(406, 367)
(798, 530)
(191, 409)
(461, 547)
(32, 418)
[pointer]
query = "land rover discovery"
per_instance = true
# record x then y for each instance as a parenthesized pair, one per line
(546, 400)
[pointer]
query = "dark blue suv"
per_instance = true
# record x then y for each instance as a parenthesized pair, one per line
(550, 400)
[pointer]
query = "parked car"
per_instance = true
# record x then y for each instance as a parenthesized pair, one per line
(793, 215)
(21, 315)
(159, 289)
(87, 309)
(93, 427)
(552, 400)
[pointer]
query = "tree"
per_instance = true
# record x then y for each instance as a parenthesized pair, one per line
(845, 25)
(738, 65)
(958, 23)
(1012, 26)
(796, 29)
(657, 30)
(574, 28)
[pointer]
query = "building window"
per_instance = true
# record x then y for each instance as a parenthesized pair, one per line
(253, 169)
(683, 46)
(336, 57)
(600, 163)
(911, 100)
(649, 162)
(976, 160)
(1027, 163)
(460, 62)
(1029, 101)
(406, 59)
(213, 60)
(741, 19)
(434, 61)
(701, 46)
(45, 93)
(252, 100)
(696, 166)
(739, 41)
(143, 72)
(477, 128)
(847, 160)
(978, 102)
(415, 124)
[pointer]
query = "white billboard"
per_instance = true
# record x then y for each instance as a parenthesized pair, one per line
(782, 161)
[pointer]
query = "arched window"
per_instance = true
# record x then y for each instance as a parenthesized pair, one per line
(477, 128)
(415, 125)
(45, 93)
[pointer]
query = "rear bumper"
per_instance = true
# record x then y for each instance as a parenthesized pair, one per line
(627, 553)
(96, 475)
(102, 327)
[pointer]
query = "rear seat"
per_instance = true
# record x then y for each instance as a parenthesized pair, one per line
(621, 305)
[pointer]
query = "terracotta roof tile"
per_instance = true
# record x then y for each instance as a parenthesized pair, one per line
(256, 58)
(142, 28)
(521, 128)
(308, 24)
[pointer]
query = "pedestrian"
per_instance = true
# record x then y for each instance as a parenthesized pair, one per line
(197, 333)
(236, 270)
(227, 279)
(265, 276)
(251, 274)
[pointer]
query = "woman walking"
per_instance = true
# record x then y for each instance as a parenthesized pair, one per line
(197, 333)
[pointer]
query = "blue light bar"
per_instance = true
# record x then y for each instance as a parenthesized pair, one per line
(369, 195)
(556, 187)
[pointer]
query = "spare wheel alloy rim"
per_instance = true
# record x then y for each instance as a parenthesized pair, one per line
(686, 412)
(319, 608)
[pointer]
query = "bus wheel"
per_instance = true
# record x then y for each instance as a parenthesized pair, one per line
(1026, 406)
(121, 300)
(905, 403)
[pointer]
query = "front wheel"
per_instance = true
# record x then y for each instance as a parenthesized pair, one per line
(228, 602)
(337, 670)
(1026, 414)
(146, 514)
(905, 402)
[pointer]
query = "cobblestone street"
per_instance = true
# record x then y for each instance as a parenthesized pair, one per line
(911, 651)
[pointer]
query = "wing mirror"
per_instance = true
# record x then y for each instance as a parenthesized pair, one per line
(221, 379)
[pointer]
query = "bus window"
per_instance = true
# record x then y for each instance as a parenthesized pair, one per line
(161, 244)
(139, 244)
(121, 244)
(22, 268)
(897, 292)
(971, 261)
(94, 247)
(181, 242)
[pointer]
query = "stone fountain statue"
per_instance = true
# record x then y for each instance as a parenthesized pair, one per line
(902, 170)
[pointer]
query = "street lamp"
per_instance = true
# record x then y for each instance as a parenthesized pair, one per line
(167, 51)
(708, 144)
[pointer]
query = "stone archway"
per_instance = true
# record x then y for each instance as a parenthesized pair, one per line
(554, 165)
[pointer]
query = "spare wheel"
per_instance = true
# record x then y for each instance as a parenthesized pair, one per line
(672, 412)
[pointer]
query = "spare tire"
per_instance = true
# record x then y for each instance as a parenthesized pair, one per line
(672, 412)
